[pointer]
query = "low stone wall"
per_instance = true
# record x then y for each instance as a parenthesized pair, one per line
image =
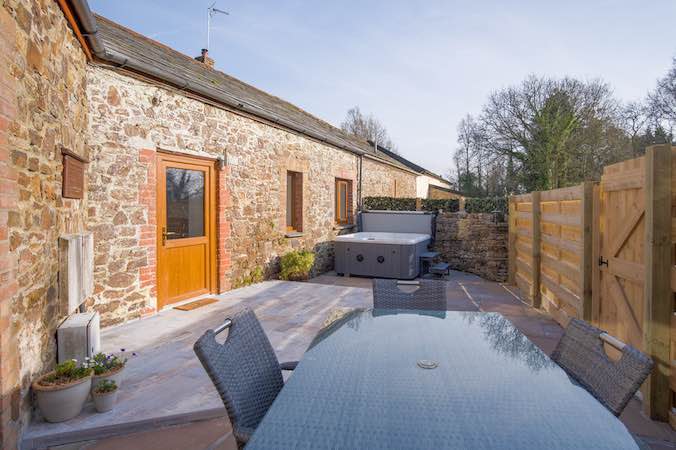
(473, 243)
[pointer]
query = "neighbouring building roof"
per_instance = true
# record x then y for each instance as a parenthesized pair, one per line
(121, 43)
(411, 165)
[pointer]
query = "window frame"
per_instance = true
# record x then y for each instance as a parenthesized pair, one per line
(337, 206)
(294, 201)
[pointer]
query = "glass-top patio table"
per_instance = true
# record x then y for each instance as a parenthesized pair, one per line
(361, 385)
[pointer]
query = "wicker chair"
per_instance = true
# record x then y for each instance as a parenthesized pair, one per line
(420, 294)
(244, 370)
(581, 354)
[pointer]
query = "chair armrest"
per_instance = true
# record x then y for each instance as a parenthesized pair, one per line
(289, 365)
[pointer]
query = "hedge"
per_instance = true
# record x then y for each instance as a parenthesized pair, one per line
(472, 205)
(486, 205)
(408, 204)
(435, 204)
(389, 203)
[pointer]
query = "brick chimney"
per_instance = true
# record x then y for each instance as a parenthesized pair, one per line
(204, 58)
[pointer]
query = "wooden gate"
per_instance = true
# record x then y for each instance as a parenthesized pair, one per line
(605, 253)
(621, 251)
(633, 298)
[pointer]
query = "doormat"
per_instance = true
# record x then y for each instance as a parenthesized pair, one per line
(196, 304)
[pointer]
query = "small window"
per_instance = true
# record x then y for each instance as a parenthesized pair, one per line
(343, 201)
(294, 201)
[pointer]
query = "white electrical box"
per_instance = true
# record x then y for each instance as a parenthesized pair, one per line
(78, 337)
(76, 269)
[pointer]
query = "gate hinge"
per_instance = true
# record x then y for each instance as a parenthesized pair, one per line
(603, 262)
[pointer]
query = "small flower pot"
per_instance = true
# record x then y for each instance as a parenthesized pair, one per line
(59, 403)
(105, 402)
(113, 375)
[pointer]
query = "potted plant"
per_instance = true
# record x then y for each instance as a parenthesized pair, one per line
(62, 393)
(105, 395)
(296, 265)
(107, 367)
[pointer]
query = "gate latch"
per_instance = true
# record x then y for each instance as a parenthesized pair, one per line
(603, 262)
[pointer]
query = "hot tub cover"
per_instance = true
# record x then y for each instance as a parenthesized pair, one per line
(384, 238)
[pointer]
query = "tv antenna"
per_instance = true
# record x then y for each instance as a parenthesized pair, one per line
(211, 12)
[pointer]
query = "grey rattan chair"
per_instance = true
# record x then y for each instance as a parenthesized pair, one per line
(244, 369)
(420, 294)
(581, 354)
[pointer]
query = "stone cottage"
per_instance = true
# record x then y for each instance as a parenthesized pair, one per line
(186, 171)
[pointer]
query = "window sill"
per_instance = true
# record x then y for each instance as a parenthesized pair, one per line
(293, 234)
(343, 227)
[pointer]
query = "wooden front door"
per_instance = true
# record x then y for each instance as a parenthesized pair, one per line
(186, 227)
(621, 251)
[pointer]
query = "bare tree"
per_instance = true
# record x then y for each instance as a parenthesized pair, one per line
(367, 127)
(539, 125)
(662, 100)
(546, 133)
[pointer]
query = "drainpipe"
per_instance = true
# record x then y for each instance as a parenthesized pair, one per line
(89, 28)
(359, 199)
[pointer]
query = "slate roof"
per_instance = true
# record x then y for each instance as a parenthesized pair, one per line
(411, 165)
(126, 42)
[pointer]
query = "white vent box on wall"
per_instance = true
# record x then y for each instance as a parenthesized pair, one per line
(76, 269)
(78, 337)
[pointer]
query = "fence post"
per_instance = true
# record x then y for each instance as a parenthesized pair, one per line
(511, 243)
(535, 249)
(658, 295)
(596, 254)
(587, 211)
(418, 204)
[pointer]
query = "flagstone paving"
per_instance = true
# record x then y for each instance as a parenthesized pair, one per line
(168, 402)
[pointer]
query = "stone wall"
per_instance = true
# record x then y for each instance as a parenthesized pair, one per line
(381, 180)
(42, 108)
(473, 243)
(131, 119)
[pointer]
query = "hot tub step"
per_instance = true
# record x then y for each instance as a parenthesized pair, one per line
(441, 268)
(429, 255)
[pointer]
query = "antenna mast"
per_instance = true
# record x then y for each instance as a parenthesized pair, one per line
(211, 12)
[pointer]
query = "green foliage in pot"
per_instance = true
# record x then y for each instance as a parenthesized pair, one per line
(296, 265)
(105, 387)
(104, 363)
(65, 373)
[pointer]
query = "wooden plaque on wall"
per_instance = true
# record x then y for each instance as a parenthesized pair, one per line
(73, 175)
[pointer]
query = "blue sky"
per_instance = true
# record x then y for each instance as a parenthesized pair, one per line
(419, 67)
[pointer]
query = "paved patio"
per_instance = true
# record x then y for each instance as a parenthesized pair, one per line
(168, 402)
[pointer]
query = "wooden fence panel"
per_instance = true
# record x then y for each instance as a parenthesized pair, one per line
(521, 244)
(563, 246)
(605, 252)
(672, 343)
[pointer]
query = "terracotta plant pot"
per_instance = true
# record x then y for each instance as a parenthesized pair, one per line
(113, 375)
(59, 403)
(104, 402)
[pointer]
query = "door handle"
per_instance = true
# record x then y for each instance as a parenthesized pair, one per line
(166, 233)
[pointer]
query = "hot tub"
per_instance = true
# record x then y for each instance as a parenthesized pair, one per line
(389, 246)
